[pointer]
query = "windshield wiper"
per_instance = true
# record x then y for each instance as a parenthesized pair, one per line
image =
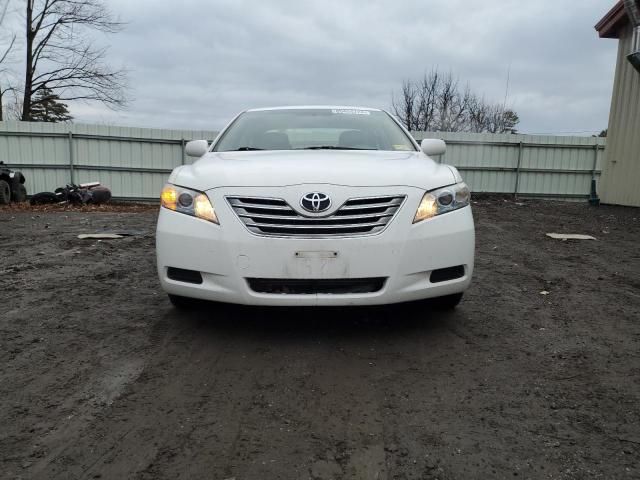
(246, 149)
(332, 147)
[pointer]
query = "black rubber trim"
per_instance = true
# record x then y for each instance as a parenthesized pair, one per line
(316, 286)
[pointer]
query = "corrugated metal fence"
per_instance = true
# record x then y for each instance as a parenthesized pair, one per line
(527, 165)
(135, 162)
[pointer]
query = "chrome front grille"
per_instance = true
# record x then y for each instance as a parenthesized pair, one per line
(275, 217)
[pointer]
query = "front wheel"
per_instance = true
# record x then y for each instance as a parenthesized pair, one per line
(5, 193)
(183, 303)
(19, 193)
(448, 302)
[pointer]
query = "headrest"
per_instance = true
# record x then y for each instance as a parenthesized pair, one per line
(274, 141)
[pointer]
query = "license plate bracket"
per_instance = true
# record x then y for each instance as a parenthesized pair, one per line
(317, 264)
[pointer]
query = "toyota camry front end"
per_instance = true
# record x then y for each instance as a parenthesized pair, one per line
(315, 206)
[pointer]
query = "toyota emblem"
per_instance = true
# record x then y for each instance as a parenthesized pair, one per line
(316, 202)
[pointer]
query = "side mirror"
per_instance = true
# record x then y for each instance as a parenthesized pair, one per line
(431, 146)
(196, 148)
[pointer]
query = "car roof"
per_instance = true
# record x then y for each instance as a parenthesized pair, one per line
(314, 107)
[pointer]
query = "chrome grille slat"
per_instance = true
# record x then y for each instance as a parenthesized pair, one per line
(265, 207)
(369, 207)
(261, 207)
(356, 217)
(318, 227)
(321, 219)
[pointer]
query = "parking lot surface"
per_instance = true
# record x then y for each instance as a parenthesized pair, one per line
(535, 375)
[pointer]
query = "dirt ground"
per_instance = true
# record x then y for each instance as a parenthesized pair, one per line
(101, 378)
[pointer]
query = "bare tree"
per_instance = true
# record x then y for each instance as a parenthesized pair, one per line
(5, 50)
(405, 107)
(61, 59)
(437, 103)
(427, 106)
(3, 92)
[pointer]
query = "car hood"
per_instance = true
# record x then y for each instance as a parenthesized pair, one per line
(284, 168)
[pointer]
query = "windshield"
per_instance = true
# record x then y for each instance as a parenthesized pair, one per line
(314, 129)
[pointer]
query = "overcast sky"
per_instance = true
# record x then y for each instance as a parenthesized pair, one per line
(196, 63)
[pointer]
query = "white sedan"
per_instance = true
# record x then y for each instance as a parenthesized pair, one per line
(315, 206)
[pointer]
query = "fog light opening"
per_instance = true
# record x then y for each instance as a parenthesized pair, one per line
(447, 274)
(183, 275)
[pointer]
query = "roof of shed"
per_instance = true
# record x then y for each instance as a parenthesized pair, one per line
(613, 21)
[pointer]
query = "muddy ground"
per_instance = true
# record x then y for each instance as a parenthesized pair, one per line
(101, 378)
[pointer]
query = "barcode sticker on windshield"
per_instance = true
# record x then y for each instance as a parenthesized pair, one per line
(351, 112)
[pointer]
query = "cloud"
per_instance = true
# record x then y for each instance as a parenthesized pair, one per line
(198, 65)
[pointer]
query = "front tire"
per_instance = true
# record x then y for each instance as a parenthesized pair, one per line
(20, 194)
(448, 302)
(5, 193)
(183, 303)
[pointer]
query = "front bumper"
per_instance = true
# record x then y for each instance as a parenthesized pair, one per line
(227, 255)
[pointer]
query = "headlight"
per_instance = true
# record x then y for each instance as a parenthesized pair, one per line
(189, 202)
(443, 200)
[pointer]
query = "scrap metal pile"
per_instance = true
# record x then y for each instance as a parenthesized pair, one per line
(83, 194)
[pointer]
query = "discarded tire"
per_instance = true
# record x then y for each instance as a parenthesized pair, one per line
(100, 195)
(44, 198)
(5, 193)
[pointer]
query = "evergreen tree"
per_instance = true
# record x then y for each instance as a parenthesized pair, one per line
(47, 107)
